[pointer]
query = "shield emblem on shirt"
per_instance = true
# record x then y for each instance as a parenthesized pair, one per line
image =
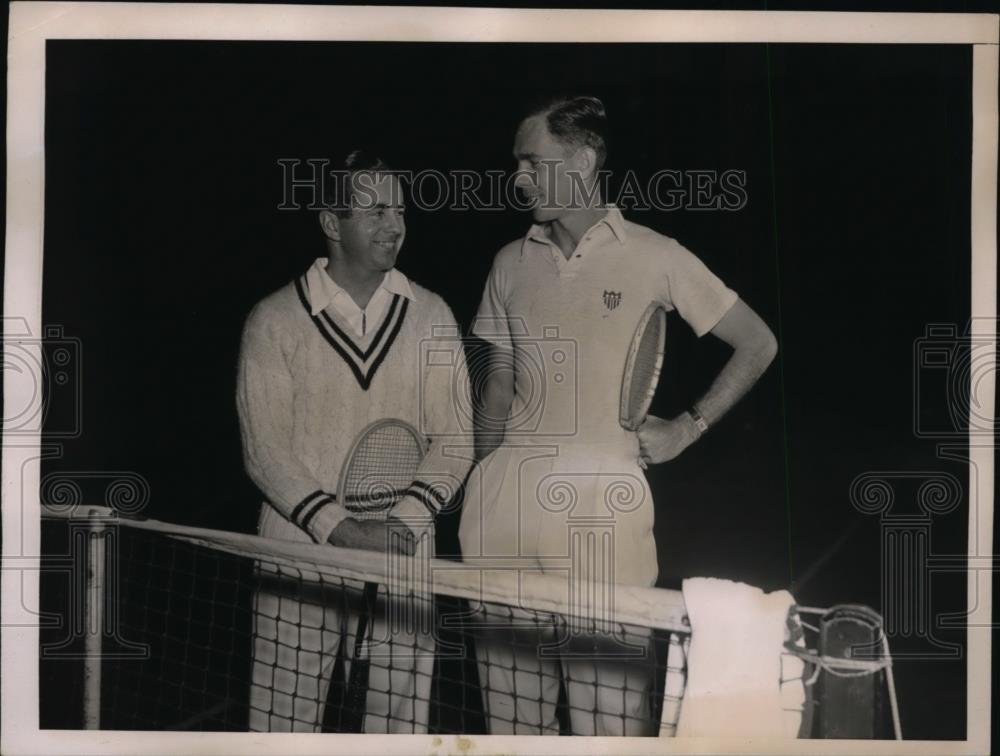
(612, 299)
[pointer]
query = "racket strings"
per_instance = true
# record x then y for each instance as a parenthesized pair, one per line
(382, 467)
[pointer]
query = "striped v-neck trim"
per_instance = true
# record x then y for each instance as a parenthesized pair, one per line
(364, 363)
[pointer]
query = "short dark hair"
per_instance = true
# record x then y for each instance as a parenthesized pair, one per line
(578, 121)
(356, 161)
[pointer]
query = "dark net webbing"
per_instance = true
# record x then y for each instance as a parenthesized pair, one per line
(201, 639)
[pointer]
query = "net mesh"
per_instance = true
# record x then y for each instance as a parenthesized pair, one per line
(642, 368)
(227, 632)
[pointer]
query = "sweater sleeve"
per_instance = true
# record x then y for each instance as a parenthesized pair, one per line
(264, 400)
(444, 404)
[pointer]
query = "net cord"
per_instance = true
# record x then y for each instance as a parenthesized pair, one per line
(472, 579)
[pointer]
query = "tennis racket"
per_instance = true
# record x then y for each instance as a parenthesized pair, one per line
(642, 368)
(380, 466)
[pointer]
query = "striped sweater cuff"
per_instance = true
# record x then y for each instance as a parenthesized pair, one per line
(318, 514)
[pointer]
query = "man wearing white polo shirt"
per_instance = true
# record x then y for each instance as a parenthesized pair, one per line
(559, 309)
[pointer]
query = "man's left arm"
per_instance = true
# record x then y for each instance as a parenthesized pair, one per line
(754, 347)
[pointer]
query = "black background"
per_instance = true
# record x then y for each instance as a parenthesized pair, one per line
(162, 230)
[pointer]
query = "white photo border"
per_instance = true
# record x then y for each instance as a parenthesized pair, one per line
(32, 24)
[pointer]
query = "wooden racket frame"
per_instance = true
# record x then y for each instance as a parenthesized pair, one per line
(356, 693)
(655, 309)
(359, 439)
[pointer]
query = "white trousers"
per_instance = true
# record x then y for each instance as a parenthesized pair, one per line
(584, 512)
(295, 649)
(299, 619)
(523, 656)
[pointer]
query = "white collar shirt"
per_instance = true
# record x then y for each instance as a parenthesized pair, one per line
(324, 292)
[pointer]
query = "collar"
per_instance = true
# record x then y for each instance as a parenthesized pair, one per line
(613, 219)
(616, 222)
(323, 289)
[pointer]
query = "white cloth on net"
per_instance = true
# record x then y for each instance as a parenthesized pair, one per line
(740, 681)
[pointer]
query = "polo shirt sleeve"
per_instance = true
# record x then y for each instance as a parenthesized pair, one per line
(492, 321)
(698, 295)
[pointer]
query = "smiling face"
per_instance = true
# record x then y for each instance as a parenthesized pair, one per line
(371, 236)
(544, 170)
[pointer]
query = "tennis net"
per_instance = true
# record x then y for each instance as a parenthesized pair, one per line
(185, 628)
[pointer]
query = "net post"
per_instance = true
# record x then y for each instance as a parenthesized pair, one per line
(897, 729)
(93, 621)
(851, 704)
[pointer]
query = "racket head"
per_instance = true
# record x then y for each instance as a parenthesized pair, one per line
(380, 465)
(642, 366)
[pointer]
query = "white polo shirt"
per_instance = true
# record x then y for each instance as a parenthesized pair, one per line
(570, 321)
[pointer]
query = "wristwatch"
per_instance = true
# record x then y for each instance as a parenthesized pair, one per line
(699, 421)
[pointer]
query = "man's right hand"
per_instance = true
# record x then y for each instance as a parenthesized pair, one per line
(372, 535)
(663, 440)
